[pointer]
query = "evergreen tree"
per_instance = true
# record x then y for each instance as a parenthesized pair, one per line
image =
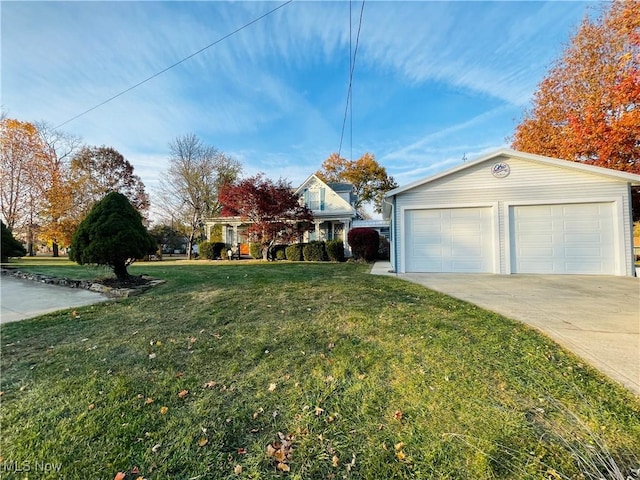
(112, 234)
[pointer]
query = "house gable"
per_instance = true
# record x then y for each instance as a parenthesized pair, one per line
(322, 199)
(561, 170)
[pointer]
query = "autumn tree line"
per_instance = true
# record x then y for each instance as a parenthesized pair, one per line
(586, 109)
(50, 181)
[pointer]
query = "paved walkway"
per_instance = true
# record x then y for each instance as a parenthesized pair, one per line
(596, 317)
(20, 299)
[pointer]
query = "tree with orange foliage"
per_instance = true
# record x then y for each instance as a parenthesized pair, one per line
(21, 154)
(369, 179)
(58, 222)
(587, 109)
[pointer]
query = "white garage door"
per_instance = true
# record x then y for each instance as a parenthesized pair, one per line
(571, 238)
(449, 240)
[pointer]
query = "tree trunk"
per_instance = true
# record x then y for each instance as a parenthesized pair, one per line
(189, 247)
(56, 252)
(30, 250)
(120, 269)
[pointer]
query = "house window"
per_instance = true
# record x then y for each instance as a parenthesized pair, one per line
(314, 199)
(338, 231)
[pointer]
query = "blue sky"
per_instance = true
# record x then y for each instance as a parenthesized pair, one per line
(433, 81)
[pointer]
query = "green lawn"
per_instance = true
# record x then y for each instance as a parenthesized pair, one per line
(302, 371)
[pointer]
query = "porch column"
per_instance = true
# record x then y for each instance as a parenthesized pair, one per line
(317, 224)
(345, 233)
(235, 233)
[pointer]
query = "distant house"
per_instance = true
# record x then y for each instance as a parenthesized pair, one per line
(334, 212)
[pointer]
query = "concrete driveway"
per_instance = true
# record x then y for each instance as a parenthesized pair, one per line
(596, 317)
(20, 299)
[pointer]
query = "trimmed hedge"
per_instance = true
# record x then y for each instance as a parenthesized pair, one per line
(205, 250)
(255, 249)
(294, 252)
(220, 250)
(212, 250)
(278, 252)
(314, 252)
(364, 243)
(335, 250)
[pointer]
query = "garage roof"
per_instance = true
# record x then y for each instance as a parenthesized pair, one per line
(631, 178)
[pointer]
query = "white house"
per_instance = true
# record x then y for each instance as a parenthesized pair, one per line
(512, 212)
(333, 210)
(332, 205)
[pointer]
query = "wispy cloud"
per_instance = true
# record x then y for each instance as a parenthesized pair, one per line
(433, 80)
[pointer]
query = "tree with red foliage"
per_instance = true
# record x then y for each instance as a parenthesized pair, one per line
(587, 109)
(273, 209)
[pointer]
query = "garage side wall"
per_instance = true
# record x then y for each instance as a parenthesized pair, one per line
(527, 183)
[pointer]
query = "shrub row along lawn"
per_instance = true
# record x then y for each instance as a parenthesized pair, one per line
(305, 371)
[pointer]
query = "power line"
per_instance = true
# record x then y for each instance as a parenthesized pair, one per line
(221, 39)
(351, 69)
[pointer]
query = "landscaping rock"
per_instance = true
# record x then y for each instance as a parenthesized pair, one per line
(132, 288)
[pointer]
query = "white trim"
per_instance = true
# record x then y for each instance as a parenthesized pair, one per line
(495, 228)
(618, 228)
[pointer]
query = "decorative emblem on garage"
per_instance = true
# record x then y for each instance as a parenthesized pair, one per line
(500, 170)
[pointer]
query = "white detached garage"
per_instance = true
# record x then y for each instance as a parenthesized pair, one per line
(514, 212)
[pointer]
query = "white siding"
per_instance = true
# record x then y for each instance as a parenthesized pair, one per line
(332, 204)
(529, 182)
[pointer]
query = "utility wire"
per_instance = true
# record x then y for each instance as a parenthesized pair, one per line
(349, 98)
(221, 39)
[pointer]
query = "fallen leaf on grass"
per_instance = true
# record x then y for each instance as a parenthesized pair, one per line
(202, 442)
(237, 469)
(92, 406)
(210, 384)
(280, 455)
(398, 415)
(148, 401)
(257, 413)
(135, 470)
(183, 393)
(319, 411)
(152, 356)
(164, 410)
(119, 476)
(242, 451)
(335, 461)
(155, 448)
(272, 387)
(281, 451)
